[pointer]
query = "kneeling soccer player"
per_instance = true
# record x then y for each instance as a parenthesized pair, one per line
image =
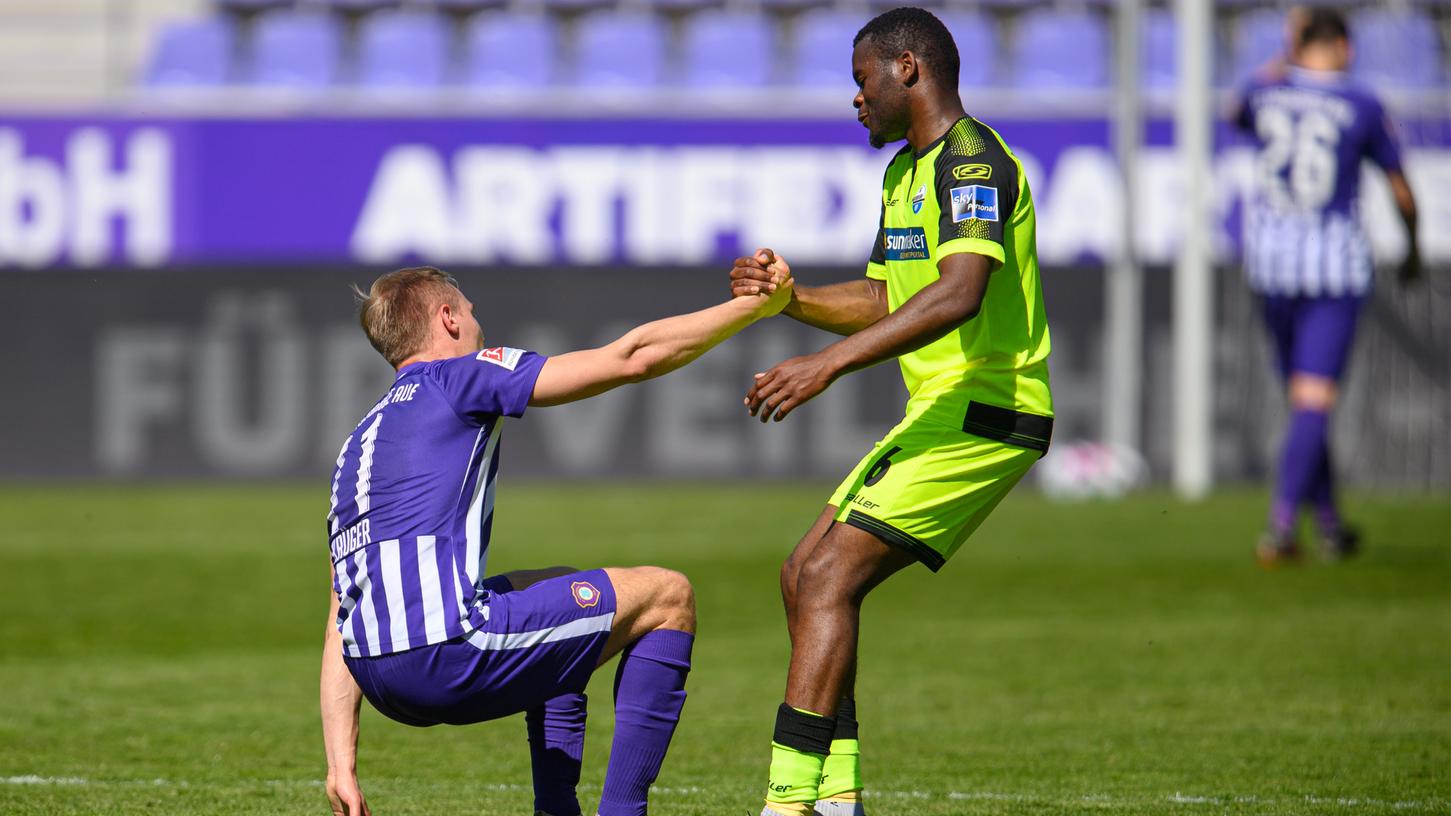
(414, 624)
(953, 292)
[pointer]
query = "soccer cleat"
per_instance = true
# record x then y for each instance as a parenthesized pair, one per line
(840, 806)
(1277, 549)
(1341, 544)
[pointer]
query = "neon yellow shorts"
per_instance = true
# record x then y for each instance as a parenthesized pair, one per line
(927, 486)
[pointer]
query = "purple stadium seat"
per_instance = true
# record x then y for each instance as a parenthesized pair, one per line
(296, 49)
(620, 49)
(569, 5)
(794, 4)
(360, 6)
(193, 53)
(246, 6)
(1060, 49)
(822, 57)
(977, 46)
(1157, 57)
(1397, 49)
(507, 50)
(728, 49)
(1259, 38)
(685, 5)
(403, 49)
(467, 5)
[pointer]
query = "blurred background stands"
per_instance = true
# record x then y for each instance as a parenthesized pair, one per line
(1041, 49)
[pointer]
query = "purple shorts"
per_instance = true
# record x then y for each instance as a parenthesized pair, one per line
(1312, 335)
(537, 643)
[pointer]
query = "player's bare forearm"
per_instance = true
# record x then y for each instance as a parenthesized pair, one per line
(1404, 198)
(661, 346)
(933, 312)
(937, 309)
(341, 700)
(1406, 206)
(650, 350)
(841, 308)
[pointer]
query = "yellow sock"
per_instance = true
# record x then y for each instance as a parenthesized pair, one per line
(795, 776)
(842, 771)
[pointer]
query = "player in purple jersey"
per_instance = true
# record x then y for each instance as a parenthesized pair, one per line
(416, 627)
(1307, 256)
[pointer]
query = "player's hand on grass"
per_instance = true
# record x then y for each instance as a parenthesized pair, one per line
(345, 795)
(777, 392)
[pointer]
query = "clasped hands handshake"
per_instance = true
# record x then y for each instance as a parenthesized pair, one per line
(777, 392)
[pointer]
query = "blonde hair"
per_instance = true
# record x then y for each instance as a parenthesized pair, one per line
(395, 311)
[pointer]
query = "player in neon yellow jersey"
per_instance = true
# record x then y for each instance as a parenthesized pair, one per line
(952, 291)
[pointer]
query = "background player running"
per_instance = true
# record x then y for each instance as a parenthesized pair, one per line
(952, 290)
(1307, 256)
(415, 626)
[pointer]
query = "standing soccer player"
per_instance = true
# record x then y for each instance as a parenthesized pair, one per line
(416, 627)
(1307, 256)
(952, 291)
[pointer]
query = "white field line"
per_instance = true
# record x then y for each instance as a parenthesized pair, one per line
(691, 790)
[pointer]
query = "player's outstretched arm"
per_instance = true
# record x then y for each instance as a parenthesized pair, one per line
(1406, 206)
(341, 700)
(650, 350)
(937, 309)
(842, 308)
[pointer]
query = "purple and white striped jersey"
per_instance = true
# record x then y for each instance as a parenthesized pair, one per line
(413, 500)
(1302, 227)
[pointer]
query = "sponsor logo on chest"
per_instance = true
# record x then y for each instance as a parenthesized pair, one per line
(905, 244)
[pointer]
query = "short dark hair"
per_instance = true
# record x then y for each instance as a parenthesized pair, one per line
(1323, 25)
(918, 31)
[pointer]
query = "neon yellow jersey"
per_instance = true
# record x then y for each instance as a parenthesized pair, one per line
(967, 193)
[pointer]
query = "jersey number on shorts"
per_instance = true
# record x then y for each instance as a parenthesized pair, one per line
(880, 467)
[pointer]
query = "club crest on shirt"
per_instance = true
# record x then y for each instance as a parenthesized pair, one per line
(917, 199)
(502, 356)
(974, 201)
(584, 594)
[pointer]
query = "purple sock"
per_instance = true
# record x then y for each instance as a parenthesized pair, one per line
(556, 748)
(1302, 456)
(649, 693)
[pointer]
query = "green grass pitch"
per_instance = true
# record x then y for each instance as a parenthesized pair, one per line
(159, 648)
